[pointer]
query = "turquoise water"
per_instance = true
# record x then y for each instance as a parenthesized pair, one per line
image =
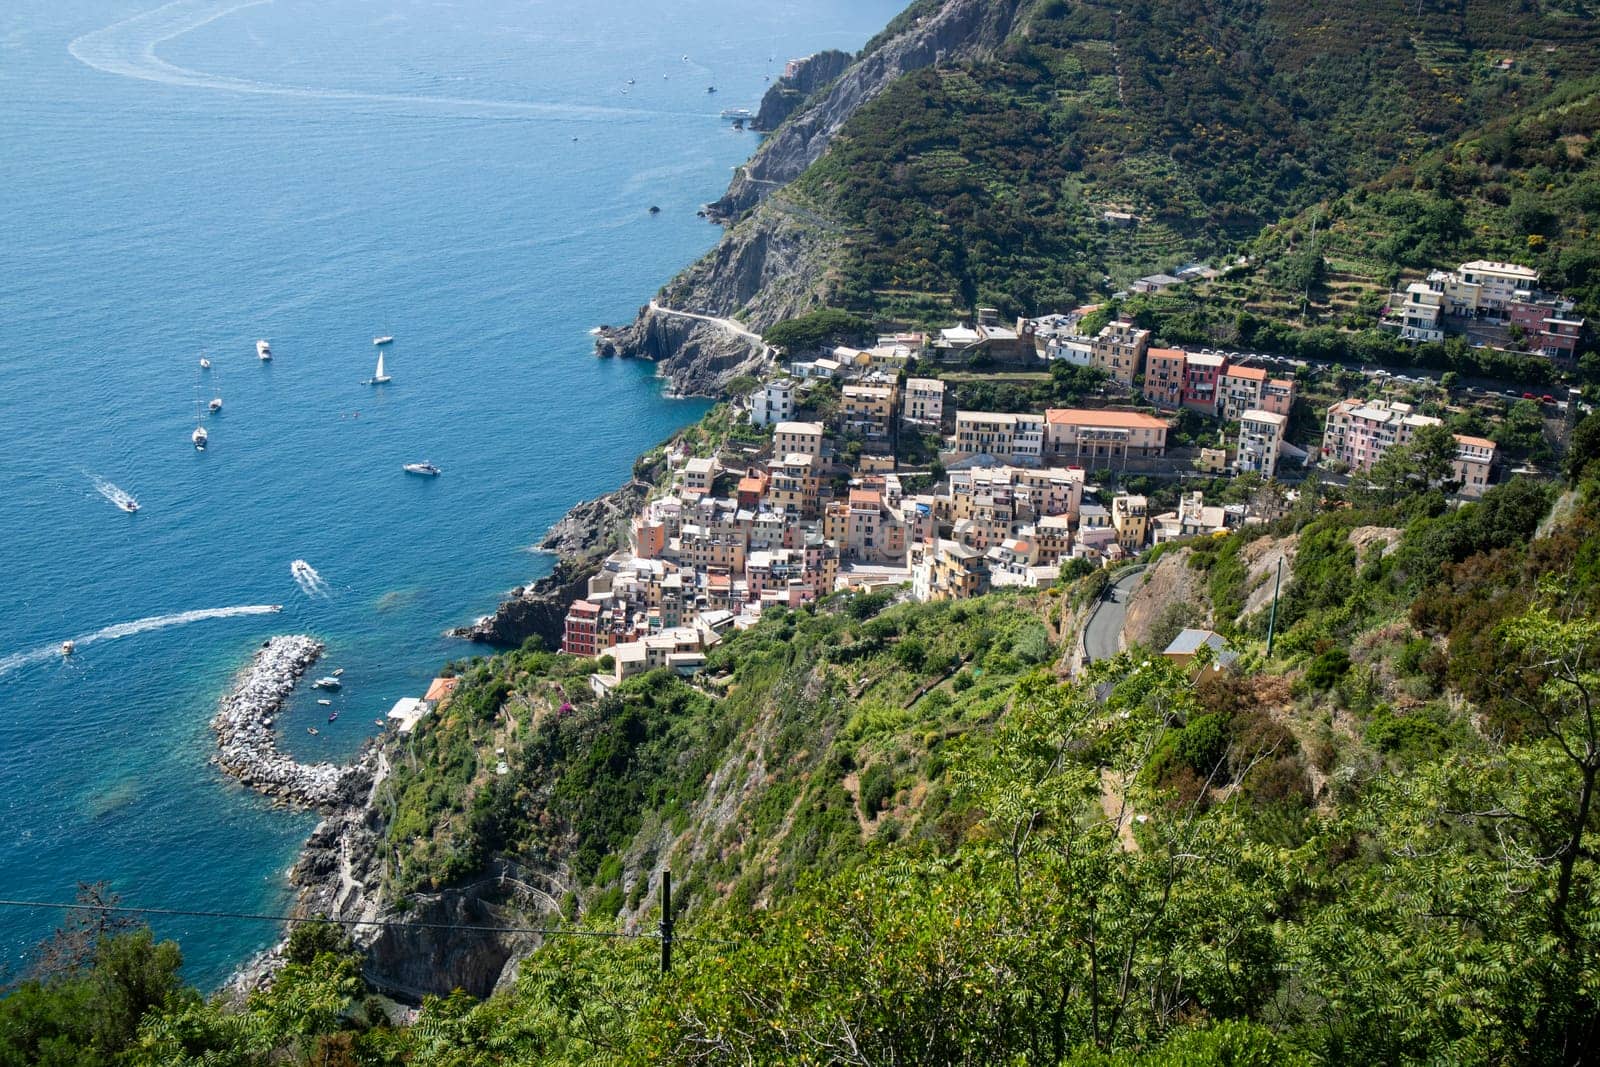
(469, 177)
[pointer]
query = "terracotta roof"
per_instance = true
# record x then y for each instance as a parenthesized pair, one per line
(865, 498)
(752, 485)
(1128, 420)
(1255, 374)
(441, 688)
(1165, 353)
(1480, 442)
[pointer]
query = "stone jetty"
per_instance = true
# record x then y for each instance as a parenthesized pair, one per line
(248, 748)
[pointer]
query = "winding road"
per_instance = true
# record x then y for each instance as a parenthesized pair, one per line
(729, 325)
(1102, 637)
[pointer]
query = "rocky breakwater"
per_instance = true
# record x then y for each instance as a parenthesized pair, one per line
(248, 747)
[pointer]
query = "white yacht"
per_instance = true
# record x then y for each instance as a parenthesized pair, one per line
(205, 364)
(263, 350)
(199, 437)
(424, 468)
(68, 647)
(386, 339)
(378, 376)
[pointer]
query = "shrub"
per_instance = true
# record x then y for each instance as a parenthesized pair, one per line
(877, 787)
(1327, 669)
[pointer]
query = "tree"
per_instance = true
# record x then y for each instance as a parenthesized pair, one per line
(1584, 448)
(1426, 462)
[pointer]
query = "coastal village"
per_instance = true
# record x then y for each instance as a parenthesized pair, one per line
(861, 468)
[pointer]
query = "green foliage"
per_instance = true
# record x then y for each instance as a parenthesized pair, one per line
(816, 329)
(1328, 669)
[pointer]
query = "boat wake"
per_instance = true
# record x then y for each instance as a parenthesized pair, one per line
(128, 629)
(306, 577)
(128, 49)
(120, 497)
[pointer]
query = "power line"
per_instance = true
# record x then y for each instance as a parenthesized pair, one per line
(192, 913)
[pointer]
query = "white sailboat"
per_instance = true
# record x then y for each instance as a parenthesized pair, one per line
(216, 397)
(378, 376)
(200, 436)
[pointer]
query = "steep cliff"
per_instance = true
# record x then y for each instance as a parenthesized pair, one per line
(789, 93)
(769, 267)
(582, 538)
(957, 30)
(776, 257)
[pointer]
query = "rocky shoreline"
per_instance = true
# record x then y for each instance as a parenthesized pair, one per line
(248, 747)
(582, 538)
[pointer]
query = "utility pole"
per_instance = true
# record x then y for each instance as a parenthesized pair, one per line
(1272, 622)
(666, 922)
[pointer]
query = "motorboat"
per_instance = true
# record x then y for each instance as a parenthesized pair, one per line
(205, 364)
(424, 468)
(732, 113)
(312, 730)
(332, 716)
(68, 647)
(711, 88)
(215, 405)
(327, 682)
(378, 376)
(263, 350)
(129, 505)
(325, 703)
(384, 340)
(338, 673)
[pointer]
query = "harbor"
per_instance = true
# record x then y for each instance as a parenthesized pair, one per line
(247, 743)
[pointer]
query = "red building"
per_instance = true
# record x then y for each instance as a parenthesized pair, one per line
(582, 636)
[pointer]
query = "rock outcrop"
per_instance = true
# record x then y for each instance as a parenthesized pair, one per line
(789, 93)
(582, 538)
(770, 267)
(958, 30)
(248, 747)
(775, 260)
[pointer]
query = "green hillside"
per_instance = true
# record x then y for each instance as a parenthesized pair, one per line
(901, 835)
(987, 183)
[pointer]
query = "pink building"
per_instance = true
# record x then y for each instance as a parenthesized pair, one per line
(1277, 396)
(1200, 373)
(1164, 376)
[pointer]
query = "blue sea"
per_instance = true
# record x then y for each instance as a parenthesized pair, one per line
(472, 178)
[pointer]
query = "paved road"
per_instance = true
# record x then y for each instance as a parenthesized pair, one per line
(730, 325)
(1102, 636)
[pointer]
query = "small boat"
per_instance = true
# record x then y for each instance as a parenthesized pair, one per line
(263, 350)
(200, 437)
(205, 364)
(384, 340)
(737, 113)
(630, 81)
(68, 647)
(325, 703)
(215, 405)
(379, 722)
(129, 505)
(654, 210)
(339, 673)
(312, 730)
(378, 377)
(328, 682)
(711, 88)
(424, 468)
(333, 716)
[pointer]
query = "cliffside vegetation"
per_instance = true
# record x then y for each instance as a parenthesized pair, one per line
(987, 182)
(900, 834)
